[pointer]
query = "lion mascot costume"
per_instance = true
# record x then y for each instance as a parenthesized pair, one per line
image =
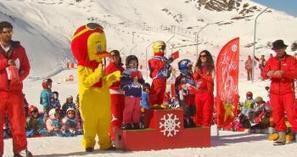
(88, 46)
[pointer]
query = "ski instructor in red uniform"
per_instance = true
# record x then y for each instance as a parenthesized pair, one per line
(14, 68)
(282, 72)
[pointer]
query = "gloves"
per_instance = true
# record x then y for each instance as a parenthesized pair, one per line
(275, 74)
(278, 74)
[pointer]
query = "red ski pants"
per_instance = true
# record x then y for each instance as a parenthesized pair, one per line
(157, 91)
(281, 104)
(132, 111)
(117, 109)
(204, 108)
(12, 104)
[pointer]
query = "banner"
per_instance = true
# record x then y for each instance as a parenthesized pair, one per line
(227, 70)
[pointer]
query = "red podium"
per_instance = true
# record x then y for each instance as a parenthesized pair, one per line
(166, 130)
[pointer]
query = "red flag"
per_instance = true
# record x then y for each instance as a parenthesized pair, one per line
(227, 67)
(175, 55)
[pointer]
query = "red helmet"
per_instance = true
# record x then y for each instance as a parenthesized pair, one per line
(46, 83)
(32, 108)
(249, 94)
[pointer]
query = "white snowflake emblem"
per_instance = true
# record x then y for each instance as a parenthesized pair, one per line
(169, 125)
(234, 48)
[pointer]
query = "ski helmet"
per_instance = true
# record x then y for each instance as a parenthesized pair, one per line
(32, 109)
(130, 58)
(47, 83)
(184, 65)
(159, 46)
(52, 112)
(258, 99)
(249, 94)
(70, 109)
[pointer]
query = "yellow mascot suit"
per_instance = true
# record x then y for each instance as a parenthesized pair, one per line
(88, 46)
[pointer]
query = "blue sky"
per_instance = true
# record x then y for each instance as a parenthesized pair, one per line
(289, 6)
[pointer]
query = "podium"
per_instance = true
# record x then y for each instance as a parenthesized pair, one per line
(165, 131)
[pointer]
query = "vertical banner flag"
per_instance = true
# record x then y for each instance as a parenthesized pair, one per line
(227, 67)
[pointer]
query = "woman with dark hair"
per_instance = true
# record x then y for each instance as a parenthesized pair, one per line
(204, 98)
(116, 94)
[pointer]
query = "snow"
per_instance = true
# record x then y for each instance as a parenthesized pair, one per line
(45, 28)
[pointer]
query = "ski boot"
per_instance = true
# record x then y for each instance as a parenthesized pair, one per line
(281, 139)
(89, 149)
(289, 138)
(23, 153)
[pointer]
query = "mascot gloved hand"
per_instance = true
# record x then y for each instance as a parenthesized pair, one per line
(88, 46)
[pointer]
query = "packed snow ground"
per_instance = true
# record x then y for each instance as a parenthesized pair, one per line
(228, 144)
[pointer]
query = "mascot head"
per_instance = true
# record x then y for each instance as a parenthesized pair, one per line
(159, 47)
(88, 45)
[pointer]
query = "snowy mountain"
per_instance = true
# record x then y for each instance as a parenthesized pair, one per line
(45, 27)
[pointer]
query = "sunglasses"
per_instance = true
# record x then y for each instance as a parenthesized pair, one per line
(94, 26)
(204, 55)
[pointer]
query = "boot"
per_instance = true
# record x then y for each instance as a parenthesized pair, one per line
(127, 126)
(135, 126)
(281, 139)
(23, 153)
(289, 138)
(89, 149)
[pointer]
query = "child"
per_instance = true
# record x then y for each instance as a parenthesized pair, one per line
(185, 89)
(259, 115)
(248, 104)
(53, 123)
(68, 104)
(55, 102)
(160, 71)
(145, 105)
(35, 125)
(45, 96)
(70, 125)
(130, 83)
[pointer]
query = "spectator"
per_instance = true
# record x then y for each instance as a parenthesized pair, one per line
(70, 127)
(68, 104)
(45, 96)
(35, 124)
(249, 67)
(53, 123)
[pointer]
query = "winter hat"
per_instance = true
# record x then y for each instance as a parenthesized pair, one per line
(52, 112)
(33, 108)
(249, 94)
(278, 44)
(46, 83)
(70, 109)
(258, 99)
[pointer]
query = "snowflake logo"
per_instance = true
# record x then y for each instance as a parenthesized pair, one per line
(234, 48)
(169, 125)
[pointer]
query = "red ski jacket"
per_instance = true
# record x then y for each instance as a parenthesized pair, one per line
(156, 64)
(111, 67)
(18, 54)
(284, 84)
